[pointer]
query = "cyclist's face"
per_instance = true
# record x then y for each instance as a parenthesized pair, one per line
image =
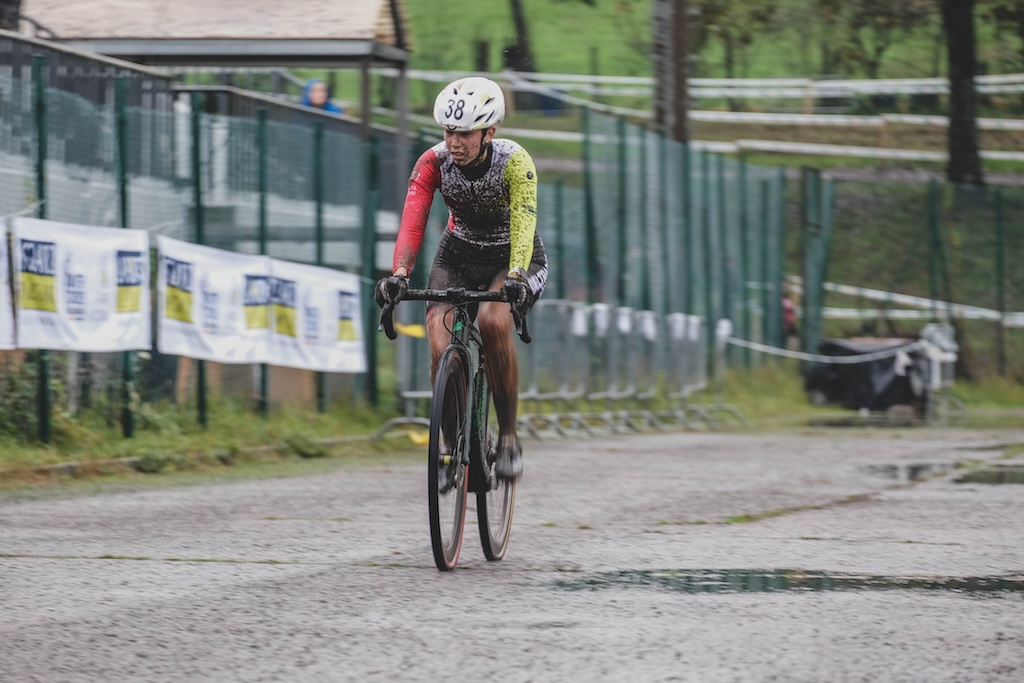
(464, 146)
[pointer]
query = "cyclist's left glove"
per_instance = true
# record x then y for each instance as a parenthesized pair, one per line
(390, 289)
(518, 292)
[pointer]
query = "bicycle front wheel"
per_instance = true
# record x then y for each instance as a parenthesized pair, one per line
(447, 473)
(494, 506)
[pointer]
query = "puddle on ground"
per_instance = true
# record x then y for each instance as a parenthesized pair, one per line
(781, 580)
(871, 420)
(993, 474)
(909, 472)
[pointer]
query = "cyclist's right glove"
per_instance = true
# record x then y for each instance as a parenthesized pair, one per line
(390, 290)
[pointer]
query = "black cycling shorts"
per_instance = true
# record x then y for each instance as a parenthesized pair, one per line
(461, 264)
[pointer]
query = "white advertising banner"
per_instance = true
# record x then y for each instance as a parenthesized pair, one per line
(6, 314)
(212, 304)
(80, 288)
(317, 318)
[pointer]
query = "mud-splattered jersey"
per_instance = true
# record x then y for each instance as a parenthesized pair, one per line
(491, 206)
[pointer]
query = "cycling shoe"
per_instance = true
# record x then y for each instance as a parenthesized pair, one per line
(509, 463)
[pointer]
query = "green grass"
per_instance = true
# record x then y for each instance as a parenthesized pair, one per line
(772, 397)
(571, 37)
(169, 440)
(240, 444)
(612, 38)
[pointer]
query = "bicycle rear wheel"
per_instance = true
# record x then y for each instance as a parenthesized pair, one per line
(447, 473)
(494, 506)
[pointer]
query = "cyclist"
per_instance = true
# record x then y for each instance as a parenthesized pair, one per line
(490, 188)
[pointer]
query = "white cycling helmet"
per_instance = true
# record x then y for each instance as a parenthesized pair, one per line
(472, 103)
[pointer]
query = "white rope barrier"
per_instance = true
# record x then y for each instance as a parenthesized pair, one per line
(836, 360)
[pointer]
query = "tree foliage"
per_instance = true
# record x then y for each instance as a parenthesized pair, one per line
(10, 11)
(519, 52)
(736, 23)
(861, 31)
(1008, 17)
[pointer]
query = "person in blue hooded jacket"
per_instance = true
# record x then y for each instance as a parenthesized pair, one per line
(316, 95)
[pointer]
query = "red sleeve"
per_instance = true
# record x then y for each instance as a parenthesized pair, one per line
(424, 181)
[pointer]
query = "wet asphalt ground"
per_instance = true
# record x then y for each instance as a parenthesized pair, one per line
(815, 555)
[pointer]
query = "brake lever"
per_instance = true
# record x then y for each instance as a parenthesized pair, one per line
(520, 322)
(518, 318)
(387, 322)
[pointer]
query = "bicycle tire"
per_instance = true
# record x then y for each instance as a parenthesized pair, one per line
(448, 432)
(494, 506)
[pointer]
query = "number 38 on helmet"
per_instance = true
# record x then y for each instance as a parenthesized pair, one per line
(473, 103)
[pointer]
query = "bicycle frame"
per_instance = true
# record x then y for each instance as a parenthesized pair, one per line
(466, 340)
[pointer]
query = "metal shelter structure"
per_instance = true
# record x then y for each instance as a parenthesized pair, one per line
(340, 34)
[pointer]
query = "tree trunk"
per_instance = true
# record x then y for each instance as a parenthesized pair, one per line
(671, 57)
(519, 55)
(1020, 37)
(964, 157)
(730, 66)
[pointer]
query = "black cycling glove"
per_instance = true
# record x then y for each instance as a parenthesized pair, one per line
(390, 290)
(518, 293)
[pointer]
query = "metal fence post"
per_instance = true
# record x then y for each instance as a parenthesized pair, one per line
(1001, 279)
(689, 238)
(43, 407)
(744, 278)
(933, 250)
(121, 147)
(262, 186)
(811, 238)
(766, 289)
(623, 190)
(780, 262)
(318, 196)
(369, 243)
(645, 251)
(590, 222)
(938, 269)
(671, 296)
(560, 239)
(817, 235)
(709, 302)
(200, 234)
(724, 256)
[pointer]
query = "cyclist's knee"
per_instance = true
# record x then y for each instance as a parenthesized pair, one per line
(494, 317)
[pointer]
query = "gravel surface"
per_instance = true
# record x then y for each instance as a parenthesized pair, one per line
(803, 556)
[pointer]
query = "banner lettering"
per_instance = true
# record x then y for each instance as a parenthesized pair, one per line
(80, 288)
(317, 318)
(213, 304)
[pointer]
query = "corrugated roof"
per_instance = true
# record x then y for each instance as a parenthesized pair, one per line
(237, 19)
(107, 23)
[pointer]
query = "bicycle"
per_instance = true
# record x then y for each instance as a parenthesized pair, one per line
(461, 450)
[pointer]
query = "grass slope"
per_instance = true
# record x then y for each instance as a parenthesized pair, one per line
(566, 35)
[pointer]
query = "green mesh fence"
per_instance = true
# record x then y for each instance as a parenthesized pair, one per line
(315, 199)
(17, 142)
(657, 225)
(680, 229)
(939, 242)
(81, 187)
(559, 224)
